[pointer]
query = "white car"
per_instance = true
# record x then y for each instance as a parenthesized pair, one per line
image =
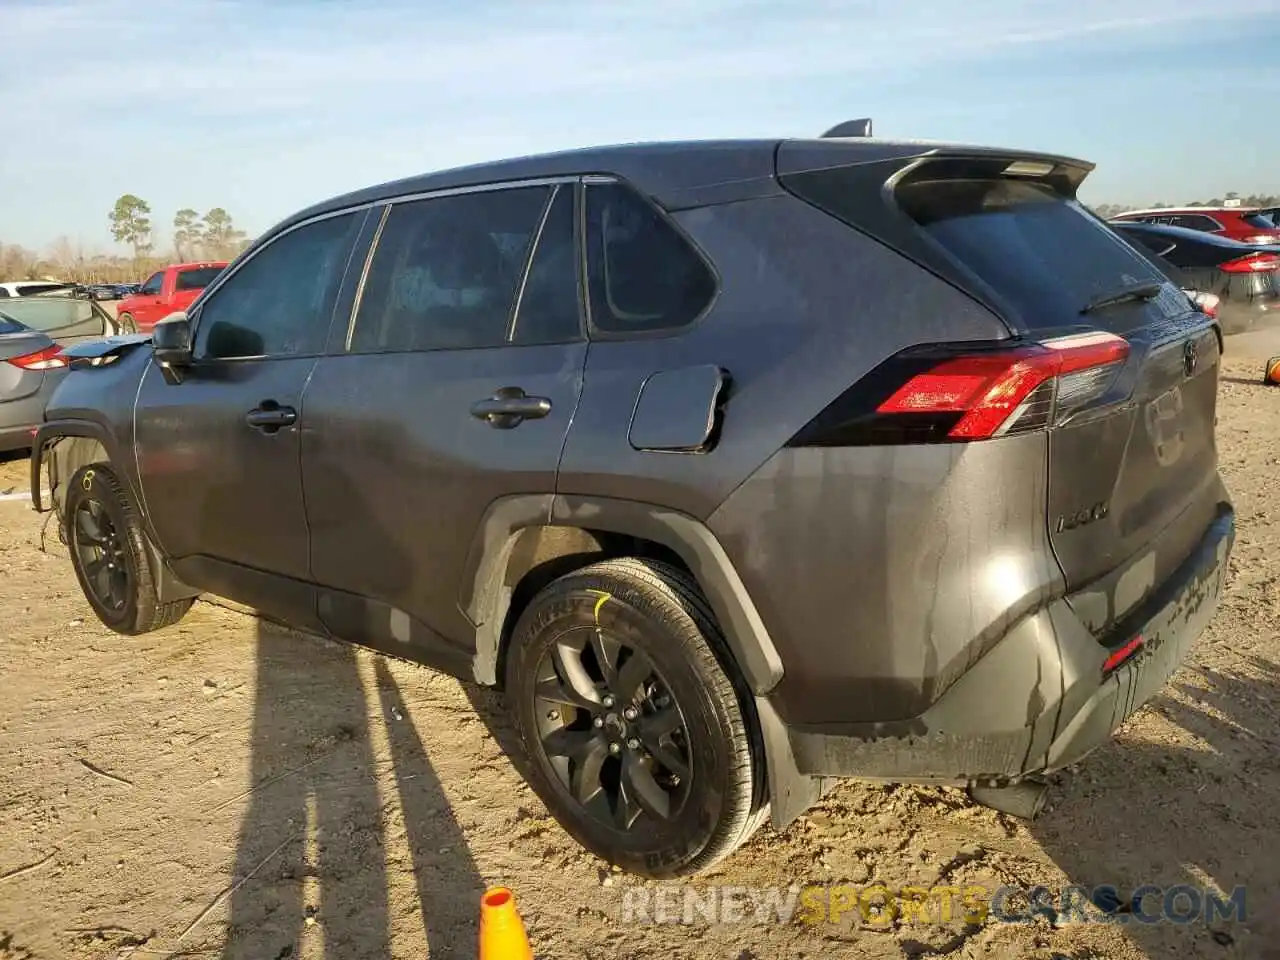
(27, 288)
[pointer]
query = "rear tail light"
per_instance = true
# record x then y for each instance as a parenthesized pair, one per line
(977, 395)
(996, 393)
(1117, 657)
(48, 359)
(1206, 303)
(1251, 263)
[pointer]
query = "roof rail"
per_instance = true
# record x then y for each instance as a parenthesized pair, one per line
(850, 128)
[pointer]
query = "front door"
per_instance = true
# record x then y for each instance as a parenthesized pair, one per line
(218, 453)
(454, 386)
(147, 304)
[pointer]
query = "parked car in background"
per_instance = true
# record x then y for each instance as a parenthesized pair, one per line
(739, 465)
(105, 291)
(33, 333)
(1245, 224)
(27, 288)
(1242, 278)
(164, 292)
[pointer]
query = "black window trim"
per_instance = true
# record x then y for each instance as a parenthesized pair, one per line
(195, 311)
(594, 332)
(494, 186)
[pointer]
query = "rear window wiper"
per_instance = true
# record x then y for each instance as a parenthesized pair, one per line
(1140, 291)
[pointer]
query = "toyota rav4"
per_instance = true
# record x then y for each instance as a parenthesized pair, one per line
(739, 466)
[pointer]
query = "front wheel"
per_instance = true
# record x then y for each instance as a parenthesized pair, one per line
(640, 743)
(126, 323)
(109, 554)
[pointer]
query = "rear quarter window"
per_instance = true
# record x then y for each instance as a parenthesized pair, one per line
(196, 278)
(643, 275)
(1043, 255)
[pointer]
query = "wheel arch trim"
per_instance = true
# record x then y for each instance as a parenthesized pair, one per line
(486, 593)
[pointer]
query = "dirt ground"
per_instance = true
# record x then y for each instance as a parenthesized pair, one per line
(226, 787)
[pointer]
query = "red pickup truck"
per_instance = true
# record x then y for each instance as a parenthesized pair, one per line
(166, 291)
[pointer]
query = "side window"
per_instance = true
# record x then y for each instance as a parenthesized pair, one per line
(642, 274)
(154, 284)
(280, 302)
(446, 271)
(549, 311)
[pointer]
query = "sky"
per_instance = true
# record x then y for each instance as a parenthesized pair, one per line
(265, 106)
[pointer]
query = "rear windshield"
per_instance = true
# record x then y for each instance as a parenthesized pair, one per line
(57, 318)
(1263, 220)
(30, 289)
(1045, 256)
(197, 278)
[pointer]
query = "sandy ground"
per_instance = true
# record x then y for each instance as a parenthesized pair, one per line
(226, 787)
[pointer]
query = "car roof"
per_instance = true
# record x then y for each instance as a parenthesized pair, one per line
(1185, 234)
(672, 172)
(1172, 211)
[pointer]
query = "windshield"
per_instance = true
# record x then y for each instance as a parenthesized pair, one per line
(57, 317)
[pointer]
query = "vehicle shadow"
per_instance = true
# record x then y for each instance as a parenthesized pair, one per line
(1196, 808)
(315, 850)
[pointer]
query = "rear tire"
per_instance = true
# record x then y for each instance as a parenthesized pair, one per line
(639, 741)
(126, 323)
(109, 554)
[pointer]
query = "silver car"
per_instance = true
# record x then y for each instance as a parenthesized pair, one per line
(33, 332)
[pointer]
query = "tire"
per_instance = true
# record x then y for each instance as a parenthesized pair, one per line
(126, 323)
(101, 526)
(709, 768)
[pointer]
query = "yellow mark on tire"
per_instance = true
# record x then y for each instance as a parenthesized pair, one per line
(87, 481)
(600, 603)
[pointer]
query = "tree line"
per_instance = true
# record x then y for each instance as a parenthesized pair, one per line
(212, 237)
(209, 236)
(1252, 200)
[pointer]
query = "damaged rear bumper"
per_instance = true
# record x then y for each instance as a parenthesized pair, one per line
(997, 725)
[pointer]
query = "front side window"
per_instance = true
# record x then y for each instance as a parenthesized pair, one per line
(153, 285)
(446, 271)
(280, 302)
(643, 275)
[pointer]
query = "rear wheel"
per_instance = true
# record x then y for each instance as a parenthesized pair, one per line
(126, 323)
(639, 742)
(108, 552)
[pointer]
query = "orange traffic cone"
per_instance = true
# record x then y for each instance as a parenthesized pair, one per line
(1271, 374)
(502, 935)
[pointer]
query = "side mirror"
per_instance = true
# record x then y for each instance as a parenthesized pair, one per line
(171, 345)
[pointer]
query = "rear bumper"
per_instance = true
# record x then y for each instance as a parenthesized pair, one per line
(17, 438)
(996, 723)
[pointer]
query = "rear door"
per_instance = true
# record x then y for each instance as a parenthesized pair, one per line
(454, 386)
(188, 283)
(1133, 480)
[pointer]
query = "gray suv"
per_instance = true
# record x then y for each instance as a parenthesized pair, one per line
(740, 466)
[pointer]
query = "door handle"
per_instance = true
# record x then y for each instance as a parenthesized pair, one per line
(509, 407)
(269, 416)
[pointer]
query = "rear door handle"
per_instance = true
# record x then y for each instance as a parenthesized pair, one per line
(269, 416)
(509, 407)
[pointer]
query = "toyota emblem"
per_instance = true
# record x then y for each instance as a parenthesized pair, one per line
(1190, 357)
